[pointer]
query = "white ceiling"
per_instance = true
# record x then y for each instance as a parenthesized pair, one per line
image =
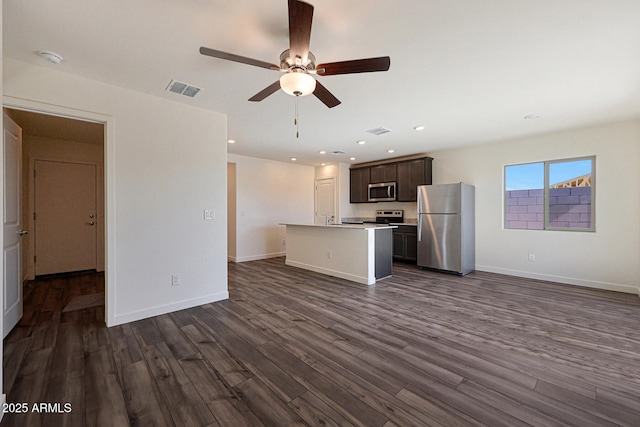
(468, 70)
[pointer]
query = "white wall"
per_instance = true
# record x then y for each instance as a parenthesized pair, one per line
(605, 259)
(165, 163)
(269, 193)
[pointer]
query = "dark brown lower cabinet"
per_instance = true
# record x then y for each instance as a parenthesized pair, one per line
(405, 244)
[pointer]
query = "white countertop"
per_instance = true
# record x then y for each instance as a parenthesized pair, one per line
(349, 226)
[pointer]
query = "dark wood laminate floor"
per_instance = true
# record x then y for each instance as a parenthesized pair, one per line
(291, 347)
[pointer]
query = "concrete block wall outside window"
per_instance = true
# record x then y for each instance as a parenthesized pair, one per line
(568, 208)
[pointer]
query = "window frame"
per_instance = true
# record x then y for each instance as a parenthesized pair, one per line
(546, 188)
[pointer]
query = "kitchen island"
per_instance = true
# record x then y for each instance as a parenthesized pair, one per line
(361, 253)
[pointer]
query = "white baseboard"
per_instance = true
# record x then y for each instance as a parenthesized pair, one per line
(340, 274)
(257, 257)
(561, 279)
(169, 308)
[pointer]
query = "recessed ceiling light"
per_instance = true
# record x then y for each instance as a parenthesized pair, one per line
(391, 151)
(352, 158)
(531, 117)
(50, 56)
(362, 142)
(418, 128)
(293, 159)
(322, 152)
(231, 141)
(323, 164)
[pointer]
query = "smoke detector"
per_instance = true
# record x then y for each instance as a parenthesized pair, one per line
(50, 56)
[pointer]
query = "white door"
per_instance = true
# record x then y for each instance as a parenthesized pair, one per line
(65, 217)
(325, 201)
(12, 247)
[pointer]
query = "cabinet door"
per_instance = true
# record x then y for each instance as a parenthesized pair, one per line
(410, 175)
(398, 245)
(383, 173)
(405, 244)
(411, 247)
(359, 185)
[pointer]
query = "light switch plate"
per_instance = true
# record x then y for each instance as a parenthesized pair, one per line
(209, 214)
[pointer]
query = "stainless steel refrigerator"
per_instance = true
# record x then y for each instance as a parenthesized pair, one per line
(446, 227)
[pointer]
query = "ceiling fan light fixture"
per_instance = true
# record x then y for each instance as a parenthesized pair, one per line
(297, 83)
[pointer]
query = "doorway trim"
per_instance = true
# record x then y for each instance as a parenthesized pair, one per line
(109, 183)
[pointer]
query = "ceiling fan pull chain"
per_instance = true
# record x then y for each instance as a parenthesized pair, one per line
(295, 120)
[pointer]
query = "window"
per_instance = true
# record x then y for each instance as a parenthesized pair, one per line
(552, 195)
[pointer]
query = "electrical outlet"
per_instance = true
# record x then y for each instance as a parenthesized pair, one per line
(284, 242)
(532, 257)
(329, 255)
(209, 214)
(175, 279)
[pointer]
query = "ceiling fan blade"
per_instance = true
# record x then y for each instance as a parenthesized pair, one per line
(355, 66)
(300, 19)
(272, 88)
(325, 96)
(237, 58)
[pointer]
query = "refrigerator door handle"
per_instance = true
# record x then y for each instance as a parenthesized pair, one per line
(419, 216)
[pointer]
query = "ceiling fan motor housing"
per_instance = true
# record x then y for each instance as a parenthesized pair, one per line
(286, 62)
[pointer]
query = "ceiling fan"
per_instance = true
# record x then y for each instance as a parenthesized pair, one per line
(298, 63)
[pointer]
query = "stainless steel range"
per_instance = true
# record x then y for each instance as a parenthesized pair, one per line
(387, 217)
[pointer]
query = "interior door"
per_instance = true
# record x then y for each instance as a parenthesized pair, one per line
(12, 241)
(65, 217)
(325, 201)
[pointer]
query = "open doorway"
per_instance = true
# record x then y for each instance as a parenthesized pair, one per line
(62, 194)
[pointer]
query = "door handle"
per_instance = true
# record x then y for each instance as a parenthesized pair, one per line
(22, 232)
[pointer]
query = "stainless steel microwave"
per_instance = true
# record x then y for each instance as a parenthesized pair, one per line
(382, 192)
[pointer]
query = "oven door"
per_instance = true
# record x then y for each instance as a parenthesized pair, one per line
(382, 192)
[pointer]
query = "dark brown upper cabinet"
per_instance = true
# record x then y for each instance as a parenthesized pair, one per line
(383, 173)
(407, 174)
(411, 174)
(359, 182)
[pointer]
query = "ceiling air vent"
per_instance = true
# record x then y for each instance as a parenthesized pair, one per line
(379, 131)
(182, 88)
(336, 152)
